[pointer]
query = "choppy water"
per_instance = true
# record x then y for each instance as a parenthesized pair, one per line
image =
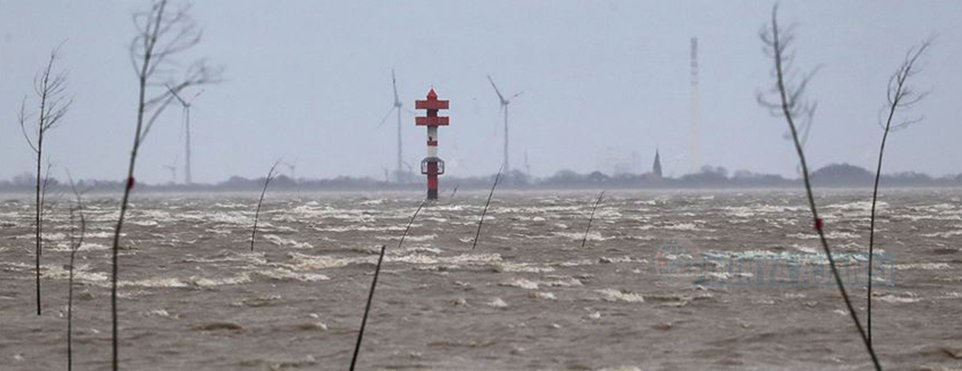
(671, 280)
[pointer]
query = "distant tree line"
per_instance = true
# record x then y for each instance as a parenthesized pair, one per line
(835, 175)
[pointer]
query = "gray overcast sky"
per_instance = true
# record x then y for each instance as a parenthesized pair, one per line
(309, 81)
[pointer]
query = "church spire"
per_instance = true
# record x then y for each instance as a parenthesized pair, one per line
(656, 167)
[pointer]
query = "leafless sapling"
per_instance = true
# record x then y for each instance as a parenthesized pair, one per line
(162, 34)
(370, 295)
(257, 212)
(484, 211)
(592, 217)
(791, 104)
(50, 88)
(899, 96)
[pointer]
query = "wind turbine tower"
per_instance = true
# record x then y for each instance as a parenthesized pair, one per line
(173, 173)
(694, 155)
(396, 108)
(504, 108)
(527, 165)
(186, 109)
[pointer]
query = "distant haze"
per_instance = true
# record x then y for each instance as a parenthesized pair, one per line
(605, 84)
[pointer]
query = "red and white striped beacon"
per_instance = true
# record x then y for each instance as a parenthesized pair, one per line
(432, 165)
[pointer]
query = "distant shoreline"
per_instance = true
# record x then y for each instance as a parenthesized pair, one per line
(833, 176)
(446, 191)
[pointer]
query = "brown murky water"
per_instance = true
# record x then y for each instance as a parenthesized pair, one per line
(668, 280)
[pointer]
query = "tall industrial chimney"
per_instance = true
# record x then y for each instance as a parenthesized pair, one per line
(694, 155)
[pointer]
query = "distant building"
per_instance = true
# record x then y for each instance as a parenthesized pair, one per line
(656, 168)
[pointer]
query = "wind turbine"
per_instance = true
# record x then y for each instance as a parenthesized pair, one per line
(398, 106)
(173, 173)
(292, 168)
(186, 107)
(527, 166)
(504, 107)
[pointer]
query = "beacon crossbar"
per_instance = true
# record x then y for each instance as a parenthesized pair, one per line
(432, 165)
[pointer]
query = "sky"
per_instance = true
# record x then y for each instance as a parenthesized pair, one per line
(605, 83)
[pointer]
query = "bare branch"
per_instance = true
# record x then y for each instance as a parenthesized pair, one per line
(161, 35)
(153, 116)
(52, 93)
(906, 123)
(487, 203)
(591, 217)
(75, 244)
(899, 95)
(798, 112)
(23, 117)
(50, 88)
(257, 213)
(778, 44)
(44, 185)
(199, 73)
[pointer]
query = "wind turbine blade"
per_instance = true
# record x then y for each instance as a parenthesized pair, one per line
(195, 97)
(386, 115)
(501, 97)
(497, 124)
(410, 111)
(397, 101)
(516, 95)
(171, 90)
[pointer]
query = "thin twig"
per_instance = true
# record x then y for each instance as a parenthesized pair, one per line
(592, 217)
(367, 307)
(257, 213)
(477, 234)
(899, 95)
(411, 222)
(790, 104)
(75, 244)
(370, 295)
